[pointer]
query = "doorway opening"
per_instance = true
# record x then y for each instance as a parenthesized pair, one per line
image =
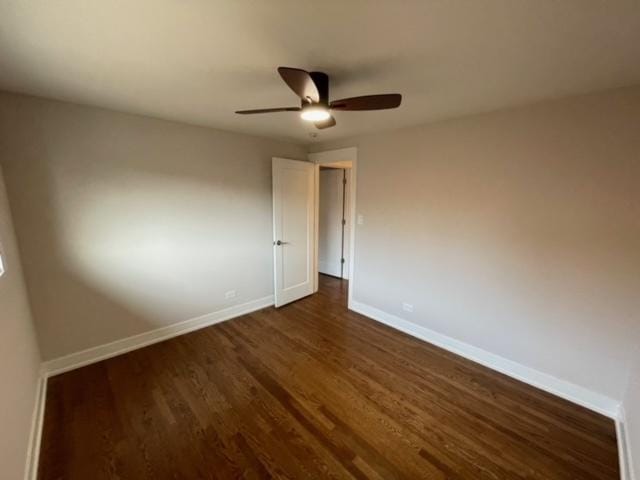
(335, 239)
(333, 220)
(313, 223)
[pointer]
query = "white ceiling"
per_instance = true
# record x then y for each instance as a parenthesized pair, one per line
(199, 60)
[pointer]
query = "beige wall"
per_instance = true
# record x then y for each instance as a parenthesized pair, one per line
(517, 232)
(128, 224)
(19, 357)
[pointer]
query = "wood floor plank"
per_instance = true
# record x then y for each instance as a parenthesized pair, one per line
(312, 390)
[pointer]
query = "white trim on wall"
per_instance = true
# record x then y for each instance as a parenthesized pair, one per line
(624, 447)
(316, 227)
(329, 268)
(102, 352)
(352, 229)
(574, 393)
(118, 347)
(35, 434)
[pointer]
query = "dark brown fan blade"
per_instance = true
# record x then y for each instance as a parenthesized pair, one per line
(368, 102)
(322, 124)
(269, 110)
(301, 83)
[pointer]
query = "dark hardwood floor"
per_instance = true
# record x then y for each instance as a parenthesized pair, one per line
(312, 390)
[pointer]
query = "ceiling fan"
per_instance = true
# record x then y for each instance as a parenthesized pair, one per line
(313, 90)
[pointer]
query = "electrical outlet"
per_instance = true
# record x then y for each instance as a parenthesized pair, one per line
(360, 219)
(230, 294)
(407, 307)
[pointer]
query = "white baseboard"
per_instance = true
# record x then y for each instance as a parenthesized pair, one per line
(624, 447)
(574, 393)
(329, 268)
(102, 352)
(569, 391)
(35, 434)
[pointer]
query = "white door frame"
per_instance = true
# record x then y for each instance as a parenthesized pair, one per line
(334, 156)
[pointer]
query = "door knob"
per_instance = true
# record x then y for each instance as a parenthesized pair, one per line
(279, 242)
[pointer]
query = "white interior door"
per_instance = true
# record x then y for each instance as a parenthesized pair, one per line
(330, 233)
(294, 224)
(335, 222)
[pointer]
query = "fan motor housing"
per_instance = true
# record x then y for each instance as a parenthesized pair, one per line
(321, 80)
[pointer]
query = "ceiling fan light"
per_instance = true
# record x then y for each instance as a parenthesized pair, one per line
(315, 114)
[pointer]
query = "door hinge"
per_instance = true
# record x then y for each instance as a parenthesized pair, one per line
(342, 260)
(344, 222)
(344, 181)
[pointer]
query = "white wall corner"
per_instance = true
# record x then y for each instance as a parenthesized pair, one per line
(574, 393)
(118, 347)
